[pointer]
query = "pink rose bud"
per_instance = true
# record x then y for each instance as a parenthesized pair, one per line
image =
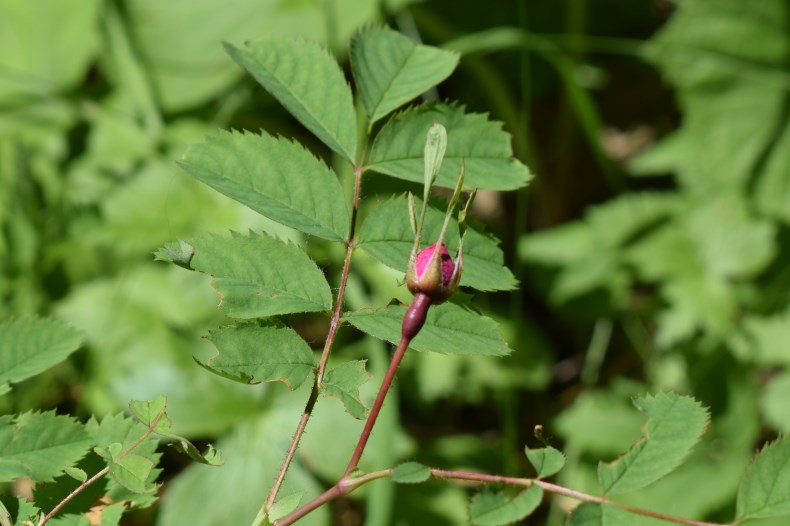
(435, 275)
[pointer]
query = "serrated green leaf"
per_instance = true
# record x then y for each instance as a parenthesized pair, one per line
(675, 424)
(252, 354)
(387, 236)
(132, 472)
(179, 252)
(76, 473)
(32, 345)
(410, 473)
(480, 144)
(26, 511)
(489, 508)
(344, 382)
(448, 329)
(390, 69)
(276, 177)
(258, 276)
(307, 80)
(40, 446)
(284, 506)
(151, 412)
(765, 488)
(547, 461)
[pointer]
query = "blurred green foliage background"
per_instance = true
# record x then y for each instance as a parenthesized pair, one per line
(652, 247)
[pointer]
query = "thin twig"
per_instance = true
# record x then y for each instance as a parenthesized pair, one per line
(101, 473)
(334, 325)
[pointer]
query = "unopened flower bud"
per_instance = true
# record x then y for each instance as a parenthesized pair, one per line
(433, 273)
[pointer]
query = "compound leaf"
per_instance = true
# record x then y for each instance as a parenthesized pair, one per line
(344, 382)
(276, 177)
(258, 276)
(32, 345)
(40, 445)
(675, 424)
(448, 329)
(390, 69)
(481, 145)
(490, 508)
(765, 488)
(308, 81)
(252, 354)
(387, 236)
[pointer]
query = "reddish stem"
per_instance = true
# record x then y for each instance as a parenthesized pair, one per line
(413, 321)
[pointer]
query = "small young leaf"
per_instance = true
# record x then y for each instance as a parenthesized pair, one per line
(387, 236)
(276, 177)
(435, 147)
(40, 446)
(259, 276)
(448, 329)
(390, 70)
(284, 506)
(31, 345)
(675, 425)
(765, 488)
(132, 473)
(76, 474)
(480, 144)
(343, 382)
(252, 354)
(547, 461)
(489, 508)
(410, 473)
(307, 80)
(151, 412)
(179, 252)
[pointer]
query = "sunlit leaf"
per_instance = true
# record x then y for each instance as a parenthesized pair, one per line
(276, 177)
(40, 445)
(307, 80)
(490, 508)
(253, 354)
(547, 461)
(675, 424)
(284, 506)
(32, 345)
(343, 382)
(448, 329)
(482, 146)
(390, 70)
(132, 472)
(765, 488)
(259, 276)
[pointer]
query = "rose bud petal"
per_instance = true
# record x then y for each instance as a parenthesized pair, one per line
(433, 274)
